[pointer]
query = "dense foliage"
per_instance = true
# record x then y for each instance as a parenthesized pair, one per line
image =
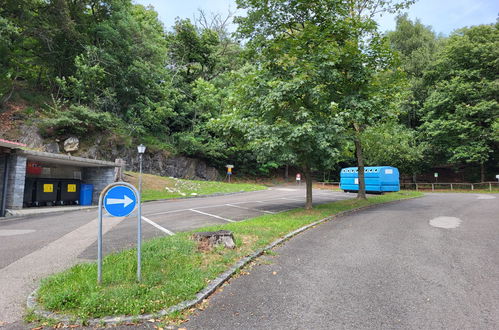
(310, 84)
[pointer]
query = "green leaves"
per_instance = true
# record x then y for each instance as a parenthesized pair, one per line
(463, 105)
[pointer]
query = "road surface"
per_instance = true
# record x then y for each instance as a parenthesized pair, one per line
(426, 263)
(35, 247)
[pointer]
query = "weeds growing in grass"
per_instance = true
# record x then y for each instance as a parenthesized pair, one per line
(173, 267)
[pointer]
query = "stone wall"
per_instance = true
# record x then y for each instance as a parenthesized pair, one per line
(100, 177)
(178, 167)
(16, 178)
(159, 163)
(2, 165)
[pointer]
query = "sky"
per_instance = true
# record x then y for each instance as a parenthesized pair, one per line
(443, 16)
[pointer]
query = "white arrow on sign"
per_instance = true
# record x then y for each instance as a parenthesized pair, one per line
(125, 201)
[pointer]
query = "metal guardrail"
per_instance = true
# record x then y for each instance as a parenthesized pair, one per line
(438, 185)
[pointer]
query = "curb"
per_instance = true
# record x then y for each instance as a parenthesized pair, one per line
(200, 296)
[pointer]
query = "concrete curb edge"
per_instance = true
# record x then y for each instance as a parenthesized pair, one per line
(32, 304)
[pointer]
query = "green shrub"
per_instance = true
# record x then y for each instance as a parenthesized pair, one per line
(78, 120)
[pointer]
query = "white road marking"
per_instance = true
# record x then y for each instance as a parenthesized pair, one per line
(293, 199)
(445, 222)
(211, 215)
(250, 209)
(267, 201)
(485, 197)
(13, 232)
(154, 224)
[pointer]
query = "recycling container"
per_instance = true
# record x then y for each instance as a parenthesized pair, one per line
(69, 192)
(29, 186)
(378, 179)
(46, 191)
(86, 192)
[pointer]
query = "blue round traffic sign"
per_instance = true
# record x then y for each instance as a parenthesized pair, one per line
(120, 201)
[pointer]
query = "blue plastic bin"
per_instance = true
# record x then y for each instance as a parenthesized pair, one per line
(86, 193)
(377, 179)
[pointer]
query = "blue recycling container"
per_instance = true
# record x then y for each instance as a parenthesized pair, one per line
(377, 179)
(86, 193)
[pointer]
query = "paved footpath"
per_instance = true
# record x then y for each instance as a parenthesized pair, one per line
(427, 263)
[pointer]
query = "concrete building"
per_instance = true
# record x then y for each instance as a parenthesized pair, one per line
(22, 170)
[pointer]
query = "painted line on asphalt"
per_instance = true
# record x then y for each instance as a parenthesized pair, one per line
(293, 199)
(154, 224)
(210, 206)
(211, 215)
(250, 209)
(267, 201)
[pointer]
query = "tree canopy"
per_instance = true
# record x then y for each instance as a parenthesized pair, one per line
(303, 83)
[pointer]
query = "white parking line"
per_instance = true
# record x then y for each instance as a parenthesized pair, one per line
(210, 206)
(211, 215)
(293, 199)
(250, 209)
(158, 226)
(267, 201)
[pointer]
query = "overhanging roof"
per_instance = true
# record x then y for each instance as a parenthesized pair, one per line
(64, 159)
(11, 144)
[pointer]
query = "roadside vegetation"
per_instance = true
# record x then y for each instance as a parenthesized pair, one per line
(313, 85)
(174, 268)
(157, 187)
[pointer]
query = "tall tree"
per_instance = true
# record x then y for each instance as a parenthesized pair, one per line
(462, 109)
(416, 45)
(318, 63)
(394, 144)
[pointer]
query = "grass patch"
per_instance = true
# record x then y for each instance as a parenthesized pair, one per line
(173, 268)
(158, 187)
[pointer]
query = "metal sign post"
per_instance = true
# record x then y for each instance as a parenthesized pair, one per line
(119, 199)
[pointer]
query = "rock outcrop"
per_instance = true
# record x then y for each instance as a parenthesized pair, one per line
(71, 144)
(154, 162)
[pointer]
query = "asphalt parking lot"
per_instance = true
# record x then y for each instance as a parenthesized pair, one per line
(36, 246)
(164, 218)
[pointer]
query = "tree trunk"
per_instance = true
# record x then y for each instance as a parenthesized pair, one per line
(308, 178)
(286, 173)
(360, 163)
(482, 172)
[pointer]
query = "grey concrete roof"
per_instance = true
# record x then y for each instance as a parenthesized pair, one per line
(11, 144)
(65, 159)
